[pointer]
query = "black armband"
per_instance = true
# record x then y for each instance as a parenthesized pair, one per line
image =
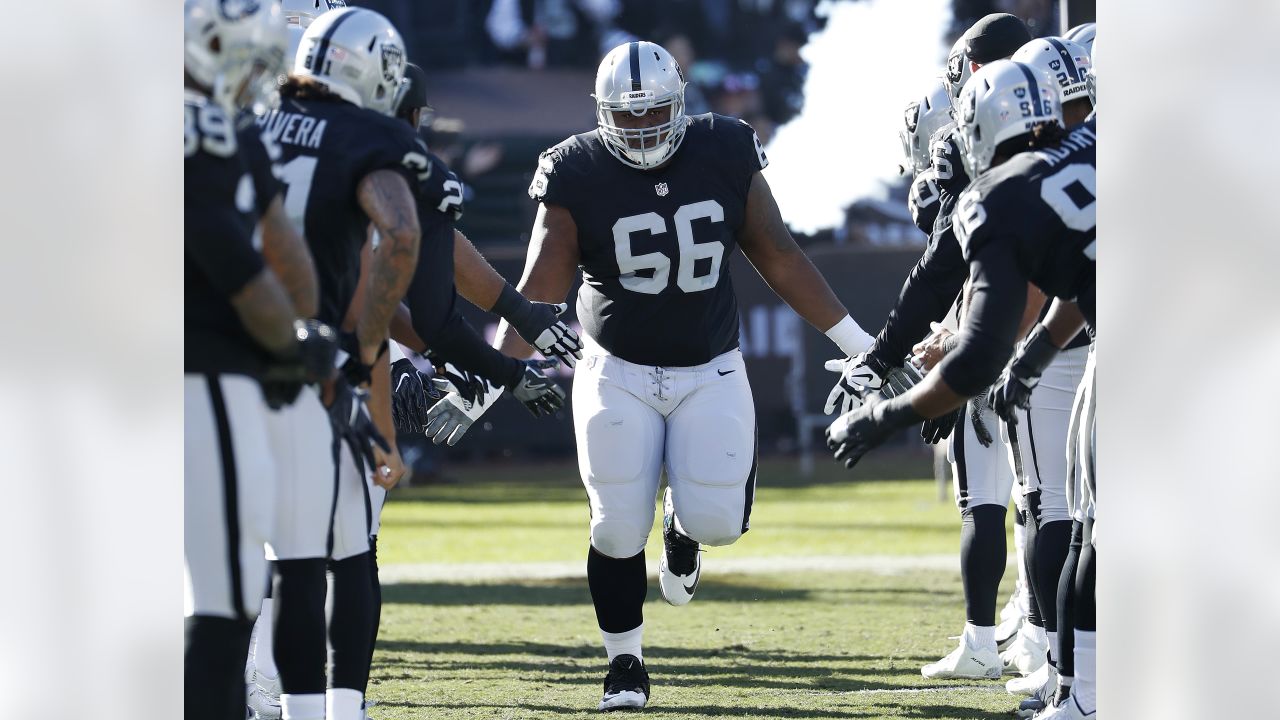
(1036, 353)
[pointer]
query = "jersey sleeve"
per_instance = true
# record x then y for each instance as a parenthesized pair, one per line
(986, 340)
(262, 154)
(441, 191)
(217, 238)
(551, 182)
(745, 152)
(393, 145)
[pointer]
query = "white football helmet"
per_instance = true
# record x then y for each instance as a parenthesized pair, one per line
(921, 120)
(635, 78)
(249, 38)
(303, 12)
(1003, 100)
(1092, 81)
(1064, 61)
(957, 71)
(1084, 34)
(358, 55)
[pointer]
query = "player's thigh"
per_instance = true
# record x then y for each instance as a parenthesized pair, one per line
(981, 475)
(302, 445)
(352, 519)
(620, 444)
(229, 496)
(711, 460)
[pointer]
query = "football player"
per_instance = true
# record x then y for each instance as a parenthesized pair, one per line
(242, 339)
(980, 466)
(345, 163)
(1029, 217)
(923, 118)
(651, 204)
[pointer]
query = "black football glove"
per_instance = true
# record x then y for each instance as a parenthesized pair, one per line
(901, 379)
(937, 429)
(410, 397)
(978, 415)
(539, 393)
(539, 325)
(1013, 389)
(352, 425)
(855, 433)
(311, 360)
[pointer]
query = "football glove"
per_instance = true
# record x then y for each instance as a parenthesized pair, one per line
(855, 433)
(1013, 389)
(453, 415)
(979, 413)
(539, 325)
(860, 376)
(540, 394)
(937, 429)
(410, 397)
(314, 352)
(352, 425)
(901, 379)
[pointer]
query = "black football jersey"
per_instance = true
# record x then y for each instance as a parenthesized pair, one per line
(922, 200)
(1041, 207)
(327, 147)
(655, 245)
(220, 258)
(947, 166)
(263, 157)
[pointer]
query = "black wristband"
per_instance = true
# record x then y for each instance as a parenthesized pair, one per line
(897, 412)
(878, 364)
(1036, 353)
(512, 306)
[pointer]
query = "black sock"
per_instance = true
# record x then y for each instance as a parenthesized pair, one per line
(300, 625)
(351, 622)
(377, 598)
(1086, 607)
(982, 560)
(1052, 540)
(1031, 537)
(1066, 604)
(618, 588)
(213, 667)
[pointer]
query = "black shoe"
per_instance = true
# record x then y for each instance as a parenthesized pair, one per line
(680, 567)
(626, 685)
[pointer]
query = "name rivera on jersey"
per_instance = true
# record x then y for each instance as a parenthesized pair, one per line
(294, 129)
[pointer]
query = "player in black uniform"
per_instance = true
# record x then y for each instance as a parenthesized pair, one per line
(1031, 219)
(346, 163)
(650, 205)
(241, 336)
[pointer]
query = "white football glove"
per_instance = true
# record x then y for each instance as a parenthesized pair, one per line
(856, 381)
(452, 416)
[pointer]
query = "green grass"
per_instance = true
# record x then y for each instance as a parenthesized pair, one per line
(803, 645)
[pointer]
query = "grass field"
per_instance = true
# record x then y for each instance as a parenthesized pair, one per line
(782, 643)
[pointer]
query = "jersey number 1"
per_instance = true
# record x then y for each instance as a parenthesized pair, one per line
(297, 174)
(660, 264)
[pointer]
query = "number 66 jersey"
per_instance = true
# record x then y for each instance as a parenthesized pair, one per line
(655, 244)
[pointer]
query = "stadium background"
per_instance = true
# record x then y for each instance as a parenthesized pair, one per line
(509, 78)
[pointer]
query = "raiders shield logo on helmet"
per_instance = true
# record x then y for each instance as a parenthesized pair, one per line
(913, 116)
(392, 60)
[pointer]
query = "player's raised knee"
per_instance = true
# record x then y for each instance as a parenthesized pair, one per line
(711, 528)
(619, 539)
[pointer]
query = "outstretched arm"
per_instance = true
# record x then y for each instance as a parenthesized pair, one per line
(549, 269)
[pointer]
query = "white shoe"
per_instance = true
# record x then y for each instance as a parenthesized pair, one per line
(1007, 630)
(1068, 710)
(1043, 697)
(1029, 685)
(965, 662)
(680, 566)
(264, 697)
(1026, 653)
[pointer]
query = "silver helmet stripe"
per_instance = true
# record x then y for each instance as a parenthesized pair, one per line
(1072, 70)
(322, 47)
(635, 66)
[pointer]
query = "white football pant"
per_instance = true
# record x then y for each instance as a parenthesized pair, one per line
(1037, 445)
(229, 488)
(633, 421)
(1082, 486)
(980, 475)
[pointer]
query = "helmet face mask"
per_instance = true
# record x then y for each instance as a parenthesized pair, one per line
(621, 97)
(921, 119)
(358, 55)
(1001, 101)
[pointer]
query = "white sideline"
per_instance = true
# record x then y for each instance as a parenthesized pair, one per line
(481, 572)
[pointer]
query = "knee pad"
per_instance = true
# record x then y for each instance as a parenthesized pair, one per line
(618, 538)
(711, 529)
(614, 454)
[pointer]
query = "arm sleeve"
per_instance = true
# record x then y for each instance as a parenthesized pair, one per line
(990, 328)
(927, 294)
(432, 301)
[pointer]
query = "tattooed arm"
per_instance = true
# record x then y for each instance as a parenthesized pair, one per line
(265, 310)
(387, 199)
(286, 253)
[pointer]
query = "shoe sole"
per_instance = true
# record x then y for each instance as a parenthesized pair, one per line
(956, 676)
(624, 701)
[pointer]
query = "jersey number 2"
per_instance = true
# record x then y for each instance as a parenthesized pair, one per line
(690, 251)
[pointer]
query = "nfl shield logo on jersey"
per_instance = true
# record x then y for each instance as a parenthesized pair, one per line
(661, 189)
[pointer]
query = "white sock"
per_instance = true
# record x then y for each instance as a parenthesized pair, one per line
(343, 704)
(1053, 645)
(980, 636)
(302, 707)
(263, 650)
(1085, 690)
(623, 643)
(1020, 547)
(1034, 633)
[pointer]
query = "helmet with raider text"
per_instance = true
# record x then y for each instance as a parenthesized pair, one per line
(234, 48)
(1084, 34)
(957, 70)
(921, 120)
(1001, 101)
(358, 55)
(635, 78)
(303, 12)
(1064, 61)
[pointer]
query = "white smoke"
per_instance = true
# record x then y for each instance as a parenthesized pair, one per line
(873, 58)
